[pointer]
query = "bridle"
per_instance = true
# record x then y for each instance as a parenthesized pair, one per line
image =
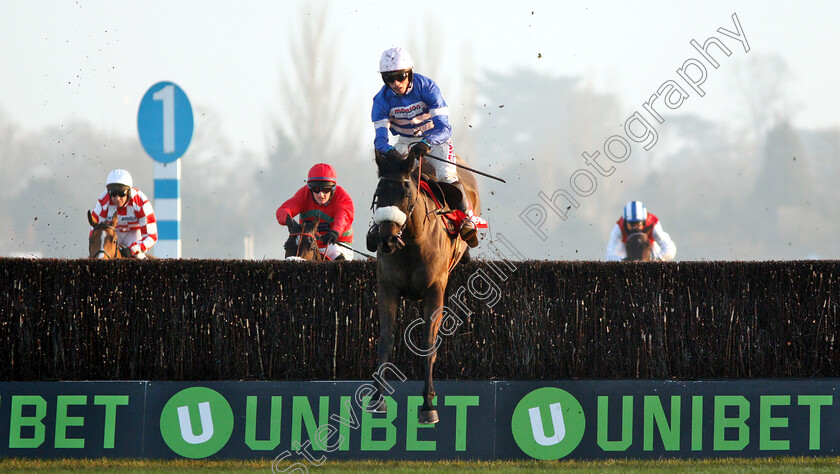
(313, 247)
(374, 203)
(103, 228)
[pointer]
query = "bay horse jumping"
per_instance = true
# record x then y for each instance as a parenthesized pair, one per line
(302, 243)
(414, 257)
(638, 247)
(102, 242)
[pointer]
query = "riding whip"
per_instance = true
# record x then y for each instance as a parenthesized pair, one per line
(351, 248)
(465, 167)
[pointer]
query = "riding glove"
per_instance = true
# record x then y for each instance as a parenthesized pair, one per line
(282, 214)
(126, 252)
(330, 237)
(420, 149)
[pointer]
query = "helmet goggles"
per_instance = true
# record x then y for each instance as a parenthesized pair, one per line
(394, 76)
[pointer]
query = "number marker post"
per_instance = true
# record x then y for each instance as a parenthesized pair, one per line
(165, 126)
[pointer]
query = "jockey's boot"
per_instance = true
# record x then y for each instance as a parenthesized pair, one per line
(372, 240)
(467, 231)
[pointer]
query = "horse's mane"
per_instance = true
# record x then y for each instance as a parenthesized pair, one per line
(389, 168)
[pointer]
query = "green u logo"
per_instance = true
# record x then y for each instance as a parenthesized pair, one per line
(196, 422)
(548, 423)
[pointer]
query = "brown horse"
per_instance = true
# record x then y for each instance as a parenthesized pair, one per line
(414, 257)
(302, 243)
(102, 242)
(638, 247)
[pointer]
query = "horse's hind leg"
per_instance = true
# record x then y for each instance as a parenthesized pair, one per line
(432, 309)
(387, 301)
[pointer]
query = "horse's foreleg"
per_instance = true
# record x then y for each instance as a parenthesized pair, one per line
(432, 310)
(387, 301)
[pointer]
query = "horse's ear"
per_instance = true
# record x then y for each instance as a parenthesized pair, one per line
(294, 227)
(309, 227)
(114, 220)
(90, 219)
(407, 163)
(379, 158)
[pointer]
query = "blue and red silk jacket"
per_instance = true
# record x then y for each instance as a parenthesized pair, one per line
(421, 112)
(650, 223)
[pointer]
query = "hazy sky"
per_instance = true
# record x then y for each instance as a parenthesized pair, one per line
(93, 60)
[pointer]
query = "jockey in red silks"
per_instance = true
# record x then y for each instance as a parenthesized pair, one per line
(411, 107)
(637, 219)
(136, 224)
(329, 205)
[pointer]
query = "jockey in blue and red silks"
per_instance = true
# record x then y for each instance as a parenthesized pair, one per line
(412, 107)
(637, 219)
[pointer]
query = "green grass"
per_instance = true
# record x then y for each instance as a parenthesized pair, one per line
(728, 465)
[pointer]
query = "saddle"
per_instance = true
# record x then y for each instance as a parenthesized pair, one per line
(444, 194)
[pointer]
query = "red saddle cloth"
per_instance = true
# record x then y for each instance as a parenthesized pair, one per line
(452, 219)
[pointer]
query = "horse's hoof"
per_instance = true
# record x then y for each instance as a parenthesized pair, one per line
(427, 417)
(378, 406)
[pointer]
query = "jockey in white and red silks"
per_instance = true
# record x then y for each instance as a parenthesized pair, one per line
(136, 224)
(412, 107)
(637, 219)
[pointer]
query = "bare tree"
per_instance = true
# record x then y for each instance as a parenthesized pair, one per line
(313, 117)
(761, 80)
(317, 121)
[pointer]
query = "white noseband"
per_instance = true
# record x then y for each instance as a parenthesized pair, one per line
(389, 214)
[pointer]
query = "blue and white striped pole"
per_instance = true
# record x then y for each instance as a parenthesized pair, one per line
(168, 209)
(165, 126)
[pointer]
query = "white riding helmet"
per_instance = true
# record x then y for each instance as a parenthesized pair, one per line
(634, 211)
(395, 59)
(119, 177)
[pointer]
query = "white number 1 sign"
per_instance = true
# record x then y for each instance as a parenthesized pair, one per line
(165, 122)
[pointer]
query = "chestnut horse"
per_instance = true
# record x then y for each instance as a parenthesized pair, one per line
(638, 247)
(414, 257)
(302, 243)
(102, 242)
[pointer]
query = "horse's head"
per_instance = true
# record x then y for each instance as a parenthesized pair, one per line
(302, 243)
(102, 242)
(394, 200)
(638, 247)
